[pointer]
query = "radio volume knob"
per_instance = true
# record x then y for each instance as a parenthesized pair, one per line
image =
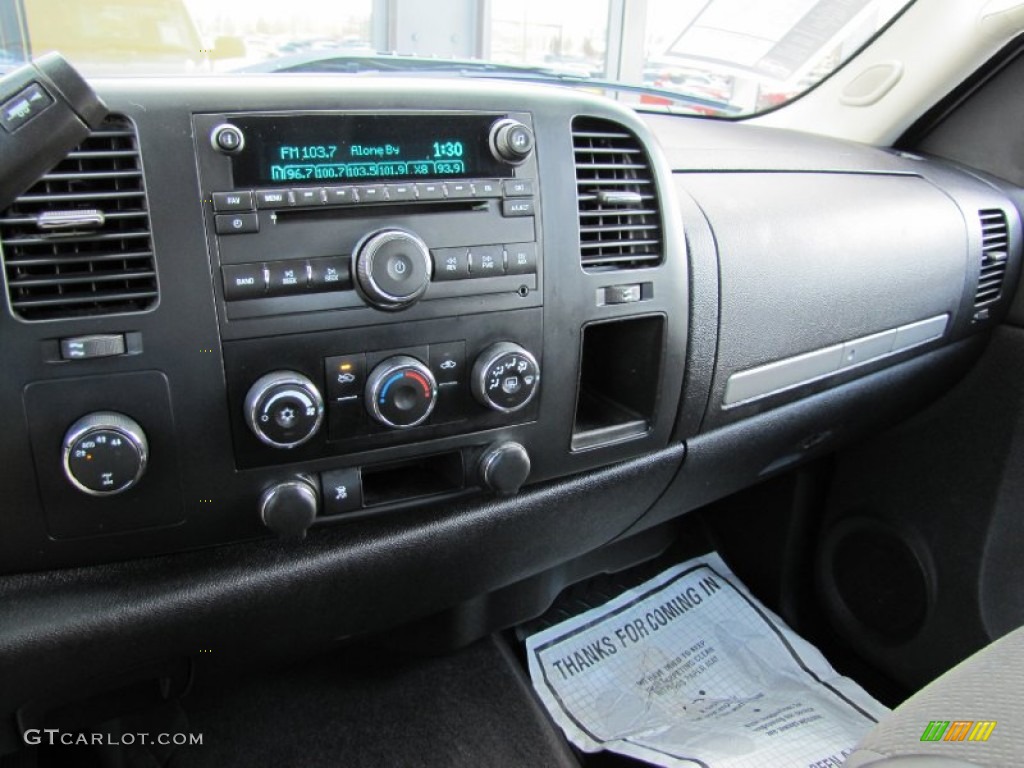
(511, 141)
(392, 268)
(284, 409)
(401, 392)
(505, 377)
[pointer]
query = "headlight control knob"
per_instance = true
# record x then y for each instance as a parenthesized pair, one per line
(289, 508)
(401, 392)
(511, 141)
(284, 409)
(505, 377)
(105, 453)
(392, 268)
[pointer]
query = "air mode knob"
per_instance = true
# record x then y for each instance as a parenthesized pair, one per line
(505, 377)
(511, 141)
(105, 453)
(284, 409)
(401, 392)
(392, 268)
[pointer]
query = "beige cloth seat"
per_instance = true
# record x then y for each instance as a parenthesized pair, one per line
(988, 686)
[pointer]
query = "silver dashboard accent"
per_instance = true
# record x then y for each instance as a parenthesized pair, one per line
(755, 383)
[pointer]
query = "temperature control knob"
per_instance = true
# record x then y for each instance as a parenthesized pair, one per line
(401, 392)
(392, 268)
(284, 409)
(511, 141)
(505, 377)
(105, 453)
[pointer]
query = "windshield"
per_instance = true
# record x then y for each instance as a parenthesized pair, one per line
(710, 57)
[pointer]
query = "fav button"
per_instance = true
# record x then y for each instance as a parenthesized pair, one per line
(232, 201)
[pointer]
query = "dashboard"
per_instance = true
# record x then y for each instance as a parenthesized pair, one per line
(451, 336)
(288, 311)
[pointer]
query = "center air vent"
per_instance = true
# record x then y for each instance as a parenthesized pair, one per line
(995, 249)
(78, 242)
(620, 224)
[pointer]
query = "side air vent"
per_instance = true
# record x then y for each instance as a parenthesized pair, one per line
(995, 248)
(620, 222)
(78, 242)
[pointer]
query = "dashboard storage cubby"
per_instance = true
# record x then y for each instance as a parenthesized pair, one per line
(618, 388)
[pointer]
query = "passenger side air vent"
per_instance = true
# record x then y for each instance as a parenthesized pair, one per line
(620, 222)
(78, 242)
(995, 249)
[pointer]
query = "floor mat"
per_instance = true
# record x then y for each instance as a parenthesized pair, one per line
(471, 708)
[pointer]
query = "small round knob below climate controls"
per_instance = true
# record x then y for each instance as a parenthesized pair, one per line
(392, 268)
(284, 409)
(401, 392)
(289, 508)
(505, 377)
(105, 453)
(511, 141)
(504, 467)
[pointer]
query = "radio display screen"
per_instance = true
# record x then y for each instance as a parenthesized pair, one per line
(340, 149)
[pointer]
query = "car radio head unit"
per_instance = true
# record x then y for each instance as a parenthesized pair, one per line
(380, 276)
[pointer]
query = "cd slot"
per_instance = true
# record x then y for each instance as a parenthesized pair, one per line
(381, 209)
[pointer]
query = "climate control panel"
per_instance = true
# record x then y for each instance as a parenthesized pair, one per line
(341, 392)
